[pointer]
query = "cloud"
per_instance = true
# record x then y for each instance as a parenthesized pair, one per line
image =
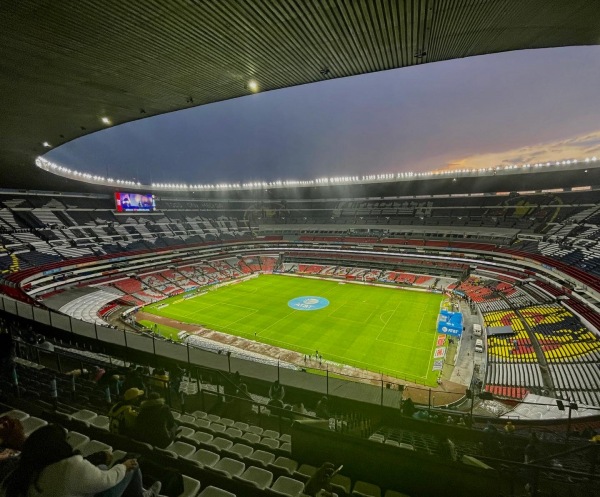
(573, 147)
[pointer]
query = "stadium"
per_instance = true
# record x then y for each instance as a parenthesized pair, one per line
(410, 317)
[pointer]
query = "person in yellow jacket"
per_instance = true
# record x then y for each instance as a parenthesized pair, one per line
(123, 414)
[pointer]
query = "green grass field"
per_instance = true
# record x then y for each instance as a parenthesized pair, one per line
(384, 330)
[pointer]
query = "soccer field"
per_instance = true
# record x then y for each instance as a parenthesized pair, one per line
(387, 330)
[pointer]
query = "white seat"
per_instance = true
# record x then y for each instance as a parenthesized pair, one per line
(307, 470)
(175, 414)
(270, 434)
(286, 464)
(241, 450)
(395, 443)
(253, 438)
(226, 421)
(288, 486)
(186, 418)
(15, 414)
(220, 443)
(286, 447)
(285, 438)
(94, 446)
(205, 458)
(233, 432)
(202, 437)
(76, 440)
(101, 422)
(406, 446)
(240, 425)
(230, 466)
(199, 414)
(84, 415)
(191, 487)
(260, 478)
(117, 455)
(262, 457)
(365, 488)
(181, 449)
(271, 443)
(215, 492)
(213, 418)
(202, 423)
(217, 428)
(185, 431)
(255, 429)
(31, 424)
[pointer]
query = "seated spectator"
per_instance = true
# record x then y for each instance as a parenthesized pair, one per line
(155, 423)
(12, 438)
(322, 409)
(160, 380)
(408, 407)
(275, 403)
(276, 391)
(319, 484)
(48, 466)
(123, 414)
(509, 428)
(134, 379)
(12, 435)
(447, 449)
(298, 408)
(97, 374)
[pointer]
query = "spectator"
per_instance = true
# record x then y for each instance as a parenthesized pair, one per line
(123, 414)
(408, 407)
(49, 466)
(298, 408)
(447, 449)
(242, 405)
(97, 374)
(134, 379)
(155, 423)
(531, 449)
(275, 403)
(231, 387)
(160, 380)
(12, 437)
(322, 409)
(276, 391)
(509, 428)
(319, 483)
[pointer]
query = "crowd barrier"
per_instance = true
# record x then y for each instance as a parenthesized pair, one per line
(385, 393)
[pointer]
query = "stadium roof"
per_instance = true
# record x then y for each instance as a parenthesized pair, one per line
(67, 65)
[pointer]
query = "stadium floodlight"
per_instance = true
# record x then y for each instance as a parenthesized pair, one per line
(46, 144)
(105, 120)
(253, 85)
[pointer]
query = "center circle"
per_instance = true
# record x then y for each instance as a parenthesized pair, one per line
(308, 303)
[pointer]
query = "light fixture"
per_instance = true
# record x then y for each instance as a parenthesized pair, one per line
(253, 86)
(46, 144)
(105, 120)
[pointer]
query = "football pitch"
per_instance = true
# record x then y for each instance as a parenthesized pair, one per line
(385, 330)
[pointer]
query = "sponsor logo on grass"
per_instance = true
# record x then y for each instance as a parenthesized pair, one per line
(308, 303)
